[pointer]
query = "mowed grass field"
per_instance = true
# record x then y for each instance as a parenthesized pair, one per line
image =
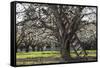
(40, 57)
(37, 54)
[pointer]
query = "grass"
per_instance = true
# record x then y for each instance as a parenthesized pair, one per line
(90, 50)
(44, 54)
(38, 54)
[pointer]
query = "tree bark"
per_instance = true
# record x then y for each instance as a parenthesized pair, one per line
(27, 48)
(33, 48)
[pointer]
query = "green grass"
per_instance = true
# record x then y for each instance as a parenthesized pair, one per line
(44, 54)
(38, 54)
(90, 50)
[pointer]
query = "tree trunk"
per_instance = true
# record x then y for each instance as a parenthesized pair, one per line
(21, 48)
(65, 50)
(27, 48)
(41, 48)
(38, 48)
(33, 48)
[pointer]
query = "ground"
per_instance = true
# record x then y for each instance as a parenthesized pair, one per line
(43, 57)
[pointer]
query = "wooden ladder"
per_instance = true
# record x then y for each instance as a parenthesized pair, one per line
(77, 46)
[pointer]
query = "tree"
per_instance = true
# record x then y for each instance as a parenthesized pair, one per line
(62, 22)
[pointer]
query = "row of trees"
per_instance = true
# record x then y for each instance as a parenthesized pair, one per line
(42, 24)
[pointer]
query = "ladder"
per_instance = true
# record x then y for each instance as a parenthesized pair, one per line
(77, 47)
